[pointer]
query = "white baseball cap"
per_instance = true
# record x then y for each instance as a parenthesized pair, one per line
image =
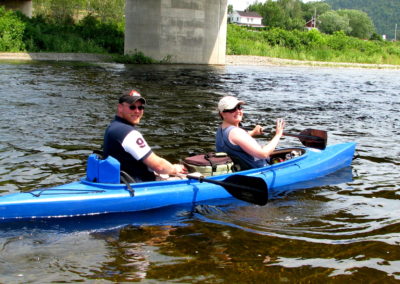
(229, 102)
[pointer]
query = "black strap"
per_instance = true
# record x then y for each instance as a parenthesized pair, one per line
(127, 179)
(213, 166)
(99, 153)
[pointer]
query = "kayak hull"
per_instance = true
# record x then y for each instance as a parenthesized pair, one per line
(88, 198)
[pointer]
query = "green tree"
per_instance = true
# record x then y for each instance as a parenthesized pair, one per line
(311, 9)
(331, 22)
(294, 14)
(384, 13)
(230, 9)
(11, 30)
(107, 10)
(68, 11)
(60, 11)
(360, 23)
(292, 8)
(273, 15)
(285, 14)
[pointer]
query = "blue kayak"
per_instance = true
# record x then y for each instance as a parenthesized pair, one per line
(86, 197)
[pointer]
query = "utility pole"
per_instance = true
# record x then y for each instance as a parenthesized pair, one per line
(395, 32)
(315, 17)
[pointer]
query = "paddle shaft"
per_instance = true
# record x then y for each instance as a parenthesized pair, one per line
(316, 138)
(309, 137)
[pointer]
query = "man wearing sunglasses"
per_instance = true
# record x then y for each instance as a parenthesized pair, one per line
(237, 142)
(125, 143)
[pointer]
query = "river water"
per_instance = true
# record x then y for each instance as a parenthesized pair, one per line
(344, 228)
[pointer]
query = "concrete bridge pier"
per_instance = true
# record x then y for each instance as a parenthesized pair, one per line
(24, 6)
(183, 31)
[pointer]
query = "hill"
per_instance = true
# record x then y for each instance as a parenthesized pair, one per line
(384, 13)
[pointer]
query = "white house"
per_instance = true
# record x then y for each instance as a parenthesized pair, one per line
(244, 18)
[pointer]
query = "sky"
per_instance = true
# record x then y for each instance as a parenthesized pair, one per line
(240, 5)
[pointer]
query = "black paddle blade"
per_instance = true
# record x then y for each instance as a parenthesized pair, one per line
(250, 189)
(314, 138)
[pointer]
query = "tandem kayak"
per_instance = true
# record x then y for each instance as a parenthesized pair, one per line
(85, 197)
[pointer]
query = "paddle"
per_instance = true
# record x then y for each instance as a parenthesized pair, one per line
(312, 138)
(250, 189)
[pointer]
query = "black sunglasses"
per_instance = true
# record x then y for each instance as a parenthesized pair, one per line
(238, 107)
(133, 107)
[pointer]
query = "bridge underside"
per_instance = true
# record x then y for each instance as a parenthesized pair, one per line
(180, 31)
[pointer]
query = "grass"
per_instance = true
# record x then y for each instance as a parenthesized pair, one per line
(312, 46)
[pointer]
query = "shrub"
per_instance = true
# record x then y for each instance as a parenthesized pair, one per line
(137, 57)
(11, 31)
(310, 45)
(108, 35)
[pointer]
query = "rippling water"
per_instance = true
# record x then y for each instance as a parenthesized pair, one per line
(345, 227)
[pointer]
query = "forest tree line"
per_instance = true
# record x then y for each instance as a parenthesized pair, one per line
(384, 13)
(358, 18)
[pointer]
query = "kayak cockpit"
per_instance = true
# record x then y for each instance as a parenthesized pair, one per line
(282, 155)
(108, 171)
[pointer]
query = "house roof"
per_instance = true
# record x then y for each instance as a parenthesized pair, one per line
(249, 14)
(310, 23)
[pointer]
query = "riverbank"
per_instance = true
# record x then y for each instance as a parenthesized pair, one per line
(230, 60)
(51, 56)
(270, 61)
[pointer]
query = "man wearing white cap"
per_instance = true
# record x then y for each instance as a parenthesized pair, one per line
(126, 144)
(237, 142)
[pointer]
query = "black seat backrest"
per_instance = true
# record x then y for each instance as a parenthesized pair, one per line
(239, 164)
(126, 178)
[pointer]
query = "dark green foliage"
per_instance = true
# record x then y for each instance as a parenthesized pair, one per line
(282, 38)
(287, 14)
(310, 45)
(384, 13)
(360, 24)
(68, 11)
(107, 35)
(11, 31)
(377, 37)
(135, 58)
(331, 22)
(42, 34)
(312, 9)
(293, 15)
(139, 57)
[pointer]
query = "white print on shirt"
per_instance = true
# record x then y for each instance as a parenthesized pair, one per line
(135, 144)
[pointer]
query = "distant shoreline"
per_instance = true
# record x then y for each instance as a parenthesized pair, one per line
(271, 61)
(53, 56)
(230, 60)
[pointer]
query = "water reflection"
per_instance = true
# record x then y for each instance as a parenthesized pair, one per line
(172, 216)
